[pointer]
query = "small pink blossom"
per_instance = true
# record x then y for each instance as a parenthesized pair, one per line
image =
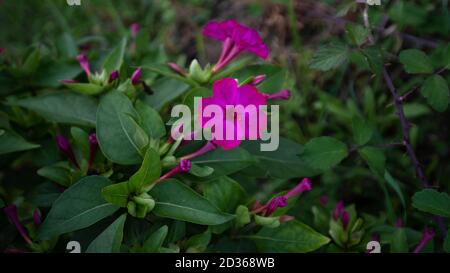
(84, 63)
(226, 92)
(136, 77)
(236, 38)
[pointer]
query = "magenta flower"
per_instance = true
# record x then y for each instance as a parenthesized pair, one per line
(281, 95)
(323, 200)
(65, 148)
(281, 201)
(93, 144)
(11, 212)
(134, 28)
(258, 79)
(113, 76)
(427, 235)
(136, 77)
(176, 68)
(339, 212)
(37, 217)
(183, 166)
(236, 38)
(84, 63)
(226, 92)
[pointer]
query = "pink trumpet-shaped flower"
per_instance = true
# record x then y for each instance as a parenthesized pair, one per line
(134, 28)
(281, 95)
(113, 76)
(183, 166)
(65, 148)
(84, 63)
(258, 79)
(236, 38)
(427, 235)
(226, 92)
(136, 77)
(11, 212)
(37, 217)
(281, 201)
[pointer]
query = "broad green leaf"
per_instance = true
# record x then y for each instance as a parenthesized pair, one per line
(291, 237)
(78, 207)
(81, 140)
(323, 153)
(11, 142)
(52, 73)
(330, 56)
(120, 137)
(284, 162)
(435, 90)
(362, 131)
(375, 158)
(149, 171)
(117, 194)
(66, 45)
(432, 201)
(199, 242)
(203, 171)
(156, 239)
(225, 162)
(224, 193)
(357, 34)
(62, 107)
(416, 61)
(151, 121)
(58, 173)
(164, 91)
(110, 240)
(177, 201)
(115, 59)
(408, 13)
(85, 88)
(399, 243)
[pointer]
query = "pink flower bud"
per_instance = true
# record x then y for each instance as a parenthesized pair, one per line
(345, 218)
(37, 217)
(113, 76)
(185, 165)
(427, 235)
(281, 95)
(136, 77)
(338, 210)
(258, 79)
(134, 28)
(323, 200)
(84, 63)
(177, 69)
(11, 212)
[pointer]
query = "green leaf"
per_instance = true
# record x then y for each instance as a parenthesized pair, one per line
(375, 158)
(110, 240)
(291, 237)
(323, 153)
(85, 88)
(57, 173)
(432, 201)
(11, 142)
(284, 163)
(51, 74)
(357, 34)
(199, 242)
(177, 201)
(63, 107)
(224, 193)
(151, 121)
(416, 61)
(164, 91)
(275, 76)
(149, 171)
(394, 184)
(31, 62)
(399, 243)
(330, 56)
(225, 162)
(362, 131)
(117, 194)
(120, 137)
(446, 243)
(115, 59)
(156, 239)
(435, 90)
(78, 207)
(2, 204)
(81, 140)
(203, 171)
